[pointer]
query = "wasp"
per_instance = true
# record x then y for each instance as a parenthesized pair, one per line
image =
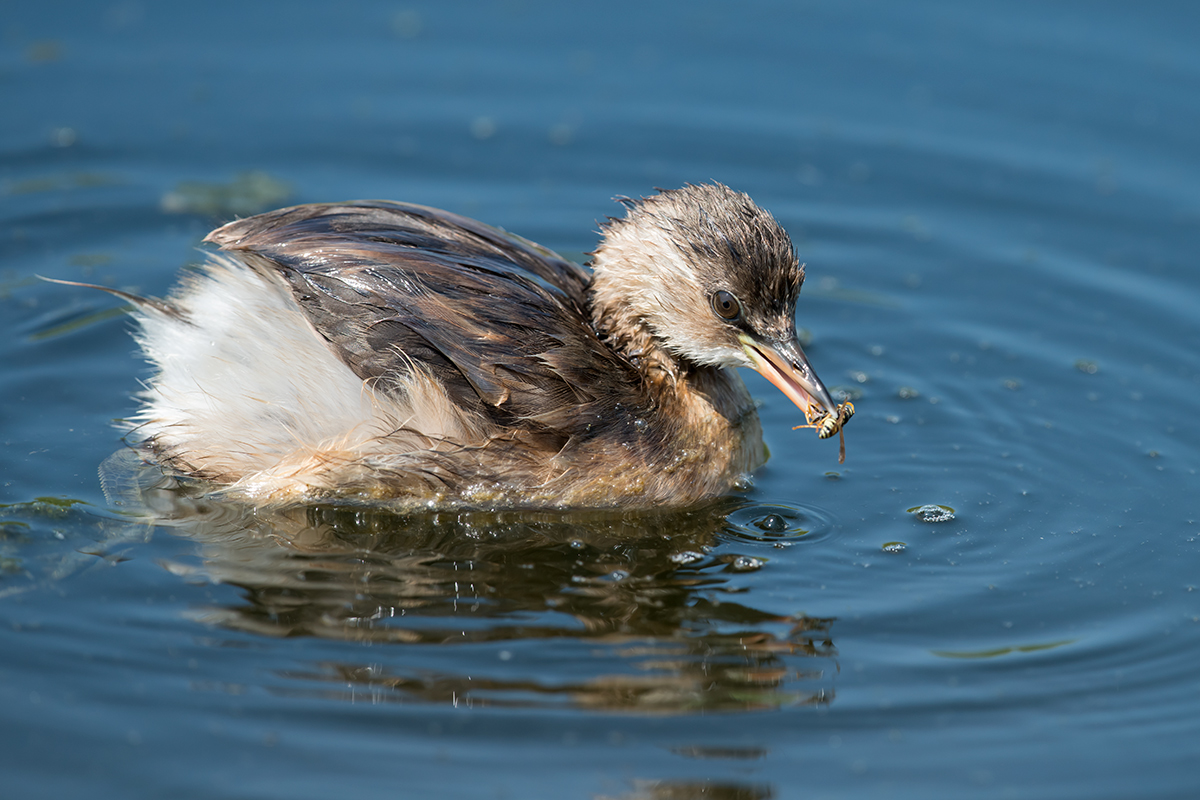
(827, 424)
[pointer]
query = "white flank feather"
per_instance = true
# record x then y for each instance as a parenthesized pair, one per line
(248, 391)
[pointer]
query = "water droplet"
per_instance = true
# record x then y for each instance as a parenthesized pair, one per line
(843, 393)
(561, 134)
(933, 513)
(483, 128)
(63, 137)
(407, 24)
(895, 547)
(859, 172)
(746, 564)
(809, 175)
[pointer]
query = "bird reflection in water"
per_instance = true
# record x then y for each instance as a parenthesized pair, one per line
(653, 603)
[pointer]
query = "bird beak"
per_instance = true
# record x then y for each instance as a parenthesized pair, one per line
(784, 364)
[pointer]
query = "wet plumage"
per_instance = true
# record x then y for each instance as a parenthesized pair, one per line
(387, 352)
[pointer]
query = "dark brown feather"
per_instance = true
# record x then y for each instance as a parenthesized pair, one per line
(501, 322)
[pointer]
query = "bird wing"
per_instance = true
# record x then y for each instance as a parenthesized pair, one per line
(499, 321)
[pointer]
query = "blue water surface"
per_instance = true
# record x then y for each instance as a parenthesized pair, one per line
(999, 211)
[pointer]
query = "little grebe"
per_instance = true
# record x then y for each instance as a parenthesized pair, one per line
(388, 352)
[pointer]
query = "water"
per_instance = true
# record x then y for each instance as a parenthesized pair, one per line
(999, 212)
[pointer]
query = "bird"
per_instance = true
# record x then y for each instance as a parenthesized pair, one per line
(393, 354)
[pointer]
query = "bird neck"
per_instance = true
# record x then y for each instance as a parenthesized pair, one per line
(629, 336)
(622, 280)
(715, 434)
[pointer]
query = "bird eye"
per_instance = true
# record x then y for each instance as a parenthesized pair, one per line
(726, 305)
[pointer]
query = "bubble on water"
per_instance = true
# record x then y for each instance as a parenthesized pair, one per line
(1087, 366)
(618, 575)
(933, 513)
(773, 523)
(895, 547)
(686, 557)
(768, 523)
(907, 393)
(577, 544)
(746, 564)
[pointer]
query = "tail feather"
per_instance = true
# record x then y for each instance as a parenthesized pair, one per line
(143, 303)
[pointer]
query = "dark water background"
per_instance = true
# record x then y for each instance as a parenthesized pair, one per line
(999, 208)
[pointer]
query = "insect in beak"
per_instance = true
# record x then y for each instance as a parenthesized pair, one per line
(828, 424)
(784, 364)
